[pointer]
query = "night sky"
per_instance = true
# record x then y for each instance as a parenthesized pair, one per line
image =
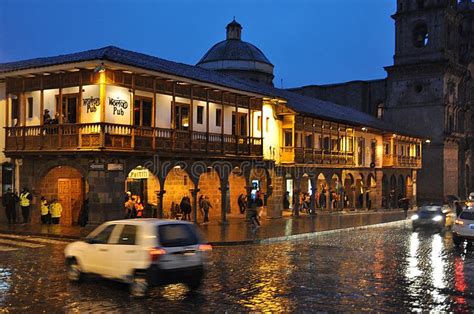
(309, 42)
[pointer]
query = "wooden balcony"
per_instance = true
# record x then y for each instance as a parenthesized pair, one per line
(401, 161)
(123, 138)
(316, 156)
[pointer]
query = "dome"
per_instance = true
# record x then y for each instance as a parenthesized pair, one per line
(237, 57)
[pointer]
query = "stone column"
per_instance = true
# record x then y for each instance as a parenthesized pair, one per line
(275, 194)
(194, 193)
(377, 202)
(160, 195)
(223, 188)
(314, 188)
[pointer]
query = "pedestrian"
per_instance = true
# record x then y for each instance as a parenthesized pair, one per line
(368, 201)
(25, 202)
(322, 198)
(185, 207)
(252, 211)
(45, 214)
(127, 197)
(139, 208)
(201, 204)
(405, 205)
(84, 214)
(206, 205)
(242, 203)
(46, 117)
(129, 207)
(286, 201)
(55, 209)
(459, 208)
(9, 201)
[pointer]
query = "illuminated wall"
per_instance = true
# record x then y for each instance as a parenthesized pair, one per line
(118, 105)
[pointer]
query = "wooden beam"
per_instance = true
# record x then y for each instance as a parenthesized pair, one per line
(207, 120)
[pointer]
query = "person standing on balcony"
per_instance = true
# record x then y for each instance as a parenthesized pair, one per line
(25, 202)
(46, 117)
(9, 201)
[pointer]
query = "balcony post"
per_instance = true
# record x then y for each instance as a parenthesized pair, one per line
(207, 120)
(222, 123)
(191, 118)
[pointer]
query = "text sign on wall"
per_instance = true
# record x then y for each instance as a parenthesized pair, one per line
(91, 104)
(114, 167)
(139, 174)
(118, 106)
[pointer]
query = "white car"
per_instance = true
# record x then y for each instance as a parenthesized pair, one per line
(463, 228)
(141, 252)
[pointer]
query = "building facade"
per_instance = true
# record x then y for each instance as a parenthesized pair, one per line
(94, 124)
(428, 90)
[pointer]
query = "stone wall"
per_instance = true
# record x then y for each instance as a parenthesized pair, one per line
(177, 184)
(237, 186)
(209, 185)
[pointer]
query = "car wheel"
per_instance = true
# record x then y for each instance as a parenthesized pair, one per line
(139, 286)
(457, 240)
(74, 271)
(194, 284)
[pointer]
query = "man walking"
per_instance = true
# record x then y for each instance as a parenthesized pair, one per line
(25, 202)
(9, 202)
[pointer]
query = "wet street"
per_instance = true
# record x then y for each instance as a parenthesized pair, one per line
(386, 268)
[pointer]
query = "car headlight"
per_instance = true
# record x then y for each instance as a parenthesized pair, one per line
(438, 218)
(414, 217)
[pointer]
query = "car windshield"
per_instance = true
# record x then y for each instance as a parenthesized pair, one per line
(432, 209)
(468, 215)
(173, 235)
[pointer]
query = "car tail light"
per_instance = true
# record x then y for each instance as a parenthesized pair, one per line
(459, 222)
(205, 247)
(155, 253)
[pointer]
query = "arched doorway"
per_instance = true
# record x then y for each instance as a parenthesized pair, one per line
(143, 184)
(322, 194)
(65, 184)
(371, 192)
(334, 191)
(289, 187)
(348, 196)
(409, 188)
(237, 186)
(209, 186)
(401, 192)
(177, 185)
(385, 192)
(359, 191)
(393, 190)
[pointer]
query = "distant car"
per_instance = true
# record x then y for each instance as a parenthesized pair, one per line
(141, 252)
(429, 216)
(463, 228)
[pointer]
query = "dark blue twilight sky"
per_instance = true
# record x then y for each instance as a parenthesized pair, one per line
(308, 41)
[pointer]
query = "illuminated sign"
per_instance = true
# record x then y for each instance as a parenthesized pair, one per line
(91, 104)
(118, 105)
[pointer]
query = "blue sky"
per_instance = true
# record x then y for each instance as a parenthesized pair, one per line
(308, 41)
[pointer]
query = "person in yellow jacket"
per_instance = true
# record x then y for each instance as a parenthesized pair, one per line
(25, 202)
(55, 209)
(45, 215)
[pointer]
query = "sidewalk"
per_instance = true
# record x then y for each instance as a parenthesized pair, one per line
(237, 231)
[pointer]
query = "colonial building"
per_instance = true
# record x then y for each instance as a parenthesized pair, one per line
(94, 124)
(429, 90)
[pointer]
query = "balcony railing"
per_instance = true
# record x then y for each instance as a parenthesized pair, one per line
(116, 137)
(401, 161)
(316, 156)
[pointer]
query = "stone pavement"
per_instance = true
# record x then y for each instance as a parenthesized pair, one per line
(237, 231)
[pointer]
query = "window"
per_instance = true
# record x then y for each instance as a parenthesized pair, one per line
(128, 235)
(103, 236)
(259, 123)
(334, 144)
(420, 36)
(173, 235)
(299, 139)
(218, 117)
(15, 111)
(267, 124)
(326, 144)
(373, 147)
(142, 112)
(200, 114)
(181, 117)
(380, 111)
(239, 123)
(387, 149)
(30, 107)
(68, 107)
(309, 141)
(288, 138)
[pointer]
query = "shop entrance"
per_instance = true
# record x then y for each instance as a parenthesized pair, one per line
(143, 186)
(64, 184)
